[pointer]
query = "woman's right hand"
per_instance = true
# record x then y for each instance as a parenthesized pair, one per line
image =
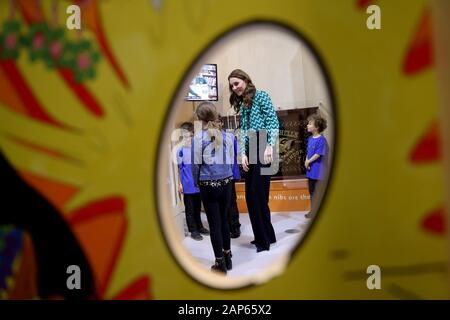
(180, 187)
(245, 163)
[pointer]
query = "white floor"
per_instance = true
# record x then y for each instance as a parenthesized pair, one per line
(289, 229)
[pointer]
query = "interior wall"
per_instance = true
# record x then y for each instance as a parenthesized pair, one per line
(277, 62)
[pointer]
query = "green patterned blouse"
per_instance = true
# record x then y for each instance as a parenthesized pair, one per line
(260, 116)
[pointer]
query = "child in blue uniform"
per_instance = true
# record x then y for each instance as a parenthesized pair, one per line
(316, 156)
(233, 211)
(191, 194)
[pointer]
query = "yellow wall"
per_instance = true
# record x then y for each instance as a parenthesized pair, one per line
(377, 200)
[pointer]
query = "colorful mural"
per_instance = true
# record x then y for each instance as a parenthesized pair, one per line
(33, 35)
(80, 117)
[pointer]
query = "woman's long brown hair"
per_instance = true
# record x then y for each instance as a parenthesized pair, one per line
(247, 95)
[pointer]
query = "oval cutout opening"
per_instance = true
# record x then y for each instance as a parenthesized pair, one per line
(281, 63)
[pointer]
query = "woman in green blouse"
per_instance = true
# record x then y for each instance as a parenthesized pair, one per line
(259, 130)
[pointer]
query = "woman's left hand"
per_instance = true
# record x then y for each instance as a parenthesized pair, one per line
(268, 154)
(307, 164)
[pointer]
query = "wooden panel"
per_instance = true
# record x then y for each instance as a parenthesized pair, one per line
(285, 196)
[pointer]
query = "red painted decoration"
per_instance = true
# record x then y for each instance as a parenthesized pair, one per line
(420, 53)
(428, 148)
(435, 222)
